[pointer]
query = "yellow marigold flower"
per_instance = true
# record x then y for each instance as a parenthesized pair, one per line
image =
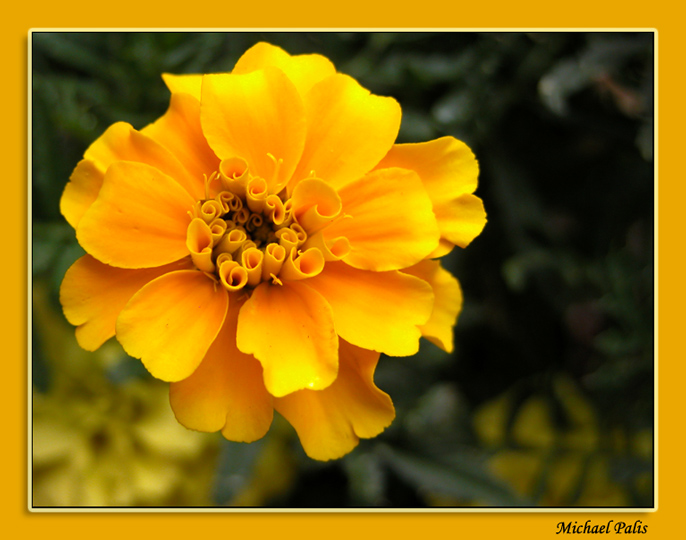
(261, 243)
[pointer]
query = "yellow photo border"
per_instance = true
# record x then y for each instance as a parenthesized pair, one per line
(358, 15)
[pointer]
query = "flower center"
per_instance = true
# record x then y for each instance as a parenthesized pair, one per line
(240, 234)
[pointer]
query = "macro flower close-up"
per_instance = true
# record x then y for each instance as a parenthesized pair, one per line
(341, 269)
(264, 242)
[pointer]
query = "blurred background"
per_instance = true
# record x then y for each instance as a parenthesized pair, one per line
(548, 399)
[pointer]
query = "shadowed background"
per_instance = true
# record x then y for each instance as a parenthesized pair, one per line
(548, 397)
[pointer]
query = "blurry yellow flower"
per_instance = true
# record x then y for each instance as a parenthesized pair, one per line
(519, 468)
(559, 463)
(262, 243)
(99, 444)
(490, 421)
(533, 427)
(126, 451)
(599, 488)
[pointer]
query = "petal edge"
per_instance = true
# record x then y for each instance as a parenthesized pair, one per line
(289, 328)
(171, 323)
(330, 422)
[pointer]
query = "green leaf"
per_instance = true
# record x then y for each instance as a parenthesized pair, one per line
(464, 479)
(234, 470)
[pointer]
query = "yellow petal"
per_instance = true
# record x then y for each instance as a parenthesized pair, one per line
(448, 304)
(462, 219)
(253, 116)
(81, 191)
(303, 70)
(274, 255)
(348, 131)
(171, 322)
(123, 143)
(447, 166)
(291, 237)
(232, 275)
(139, 219)
(449, 172)
(333, 249)
(252, 260)
(302, 265)
(226, 392)
(180, 132)
(315, 204)
(444, 247)
(289, 329)
(256, 193)
(375, 310)
(199, 242)
(120, 142)
(92, 295)
(330, 422)
(392, 224)
(183, 84)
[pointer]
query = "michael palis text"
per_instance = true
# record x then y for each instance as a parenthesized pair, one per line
(616, 527)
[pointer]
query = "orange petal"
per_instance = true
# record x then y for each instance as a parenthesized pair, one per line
(139, 219)
(253, 116)
(333, 249)
(302, 264)
(448, 304)
(315, 204)
(289, 329)
(252, 260)
(449, 171)
(375, 310)
(462, 219)
(444, 247)
(183, 84)
(92, 295)
(392, 225)
(199, 242)
(123, 143)
(120, 142)
(303, 70)
(330, 422)
(180, 132)
(232, 275)
(274, 255)
(226, 392)
(171, 322)
(348, 131)
(81, 191)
